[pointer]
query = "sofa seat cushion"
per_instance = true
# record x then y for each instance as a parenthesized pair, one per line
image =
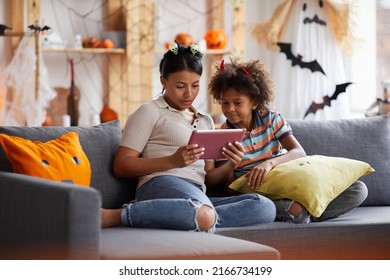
(99, 143)
(363, 233)
(142, 244)
(365, 139)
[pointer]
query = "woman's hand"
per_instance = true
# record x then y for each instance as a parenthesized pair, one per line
(257, 174)
(234, 153)
(186, 155)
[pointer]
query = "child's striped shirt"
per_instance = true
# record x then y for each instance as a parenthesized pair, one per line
(263, 142)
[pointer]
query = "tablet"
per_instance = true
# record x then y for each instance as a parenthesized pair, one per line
(214, 140)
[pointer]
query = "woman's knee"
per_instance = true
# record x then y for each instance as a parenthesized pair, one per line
(206, 218)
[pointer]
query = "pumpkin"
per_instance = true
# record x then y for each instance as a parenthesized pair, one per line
(167, 44)
(107, 44)
(48, 121)
(215, 39)
(184, 39)
(107, 114)
(91, 42)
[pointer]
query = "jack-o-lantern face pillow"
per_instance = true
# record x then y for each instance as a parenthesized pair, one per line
(61, 159)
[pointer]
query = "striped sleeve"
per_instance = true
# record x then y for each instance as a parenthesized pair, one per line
(281, 126)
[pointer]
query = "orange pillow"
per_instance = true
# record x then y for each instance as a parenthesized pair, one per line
(61, 159)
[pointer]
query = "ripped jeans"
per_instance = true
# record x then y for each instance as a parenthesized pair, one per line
(171, 202)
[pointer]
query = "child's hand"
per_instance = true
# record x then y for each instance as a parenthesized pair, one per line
(257, 174)
(234, 153)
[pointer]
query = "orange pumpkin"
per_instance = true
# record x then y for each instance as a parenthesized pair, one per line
(48, 121)
(184, 39)
(107, 114)
(107, 44)
(91, 42)
(167, 44)
(215, 39)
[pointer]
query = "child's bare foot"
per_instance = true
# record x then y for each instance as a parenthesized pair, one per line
(295, 209)
(291, 211)
(111, 217)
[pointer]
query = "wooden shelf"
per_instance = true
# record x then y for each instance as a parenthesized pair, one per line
(221, 52)
(86, 50)
(208, 51)
(130, 74)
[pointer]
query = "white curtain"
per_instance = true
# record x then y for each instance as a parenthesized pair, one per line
(295, 87)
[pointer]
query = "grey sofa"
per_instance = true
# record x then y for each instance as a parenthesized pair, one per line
(363, 233)
(42, 219)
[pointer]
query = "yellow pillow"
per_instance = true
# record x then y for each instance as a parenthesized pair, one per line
(313, 181)
(62, 159)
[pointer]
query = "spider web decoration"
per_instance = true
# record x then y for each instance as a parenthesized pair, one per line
(89, 18)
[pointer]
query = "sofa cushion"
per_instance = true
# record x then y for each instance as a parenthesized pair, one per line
(313, 181)
(99, 143)
(126, 243)
(363, 233)
(61, 159)
(365, 139)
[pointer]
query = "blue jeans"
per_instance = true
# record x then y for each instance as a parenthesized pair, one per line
(171, 202)
(349, 199)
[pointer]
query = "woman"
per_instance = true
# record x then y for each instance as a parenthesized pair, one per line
(171, 177)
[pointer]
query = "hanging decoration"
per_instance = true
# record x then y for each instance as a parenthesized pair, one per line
(314, 107)
(25, 73)
(297, 59)
(314, 35)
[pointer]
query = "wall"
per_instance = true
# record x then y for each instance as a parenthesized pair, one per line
(91, 70)
(67, 19)
(5, 49)
(361, 64)
(363, 60)
(383, 43)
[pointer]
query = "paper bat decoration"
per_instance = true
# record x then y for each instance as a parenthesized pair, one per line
(314, 107)
(297, 60)
(38, 28)
(3, 28)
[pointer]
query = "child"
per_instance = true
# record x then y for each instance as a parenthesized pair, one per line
(245, 93)
(171, 177)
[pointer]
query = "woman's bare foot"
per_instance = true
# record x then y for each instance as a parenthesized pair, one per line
(111, 217)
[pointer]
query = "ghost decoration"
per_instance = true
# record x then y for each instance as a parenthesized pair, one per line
(310, 39)
(26, 109)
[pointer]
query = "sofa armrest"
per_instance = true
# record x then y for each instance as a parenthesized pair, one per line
(44, 219)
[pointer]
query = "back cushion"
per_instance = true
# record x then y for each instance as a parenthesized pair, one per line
(99, 143)
(365, 139)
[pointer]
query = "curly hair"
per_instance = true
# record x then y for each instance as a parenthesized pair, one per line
(250, 78)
